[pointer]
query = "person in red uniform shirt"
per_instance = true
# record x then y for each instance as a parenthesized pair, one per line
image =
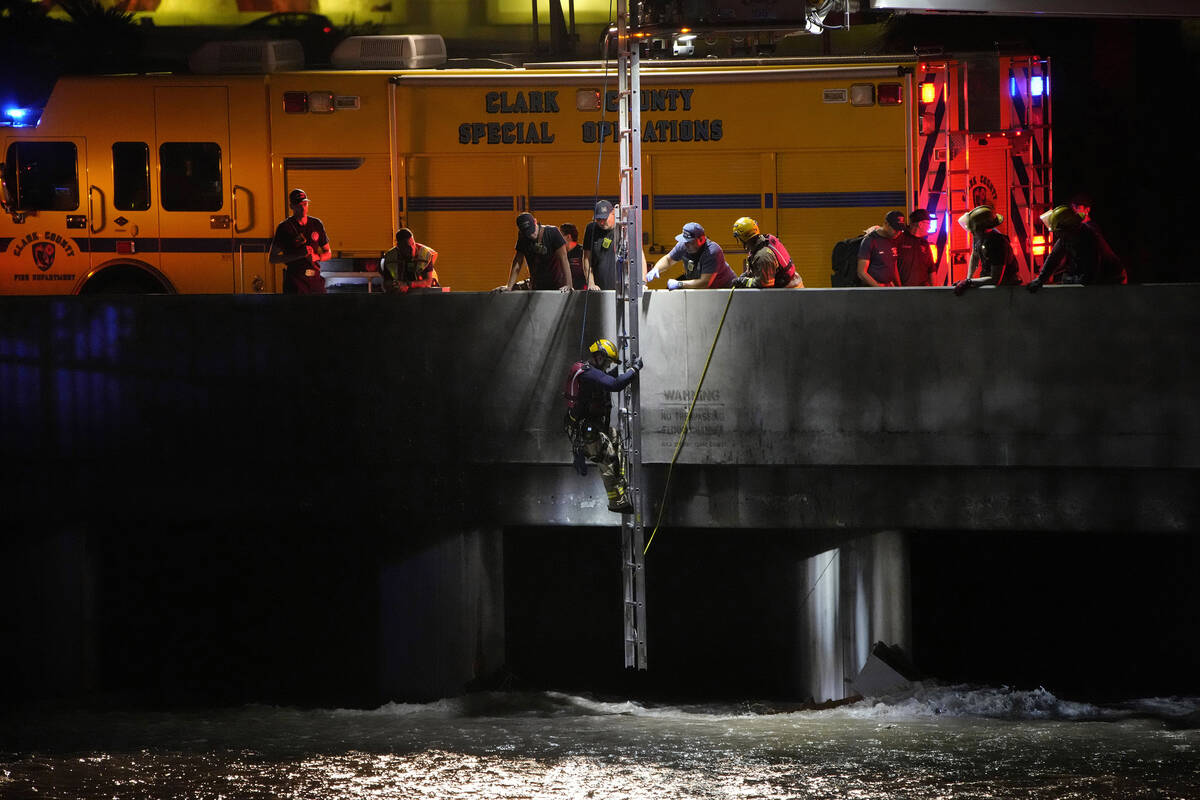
(301, 244)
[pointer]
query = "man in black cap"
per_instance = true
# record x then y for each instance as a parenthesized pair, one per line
(301, 244)
(878, 253)
(600, 248)
(914, 260)
(545, 250)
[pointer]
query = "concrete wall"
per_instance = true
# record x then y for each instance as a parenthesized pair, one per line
(822, 409)
(356, 458)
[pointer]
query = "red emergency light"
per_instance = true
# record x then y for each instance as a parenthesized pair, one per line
(928, 92)
(1039, 244)
(890, 94)
(295, 102)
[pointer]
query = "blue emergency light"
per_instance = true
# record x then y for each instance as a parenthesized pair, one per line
(20, 117)
(1037, 86)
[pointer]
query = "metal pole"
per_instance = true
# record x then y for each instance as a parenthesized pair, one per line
(629, 292)
(537, 44)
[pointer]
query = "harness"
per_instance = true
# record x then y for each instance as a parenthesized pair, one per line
(786, 269)
(588, 410)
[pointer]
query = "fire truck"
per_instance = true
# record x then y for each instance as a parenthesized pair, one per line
(175, 183)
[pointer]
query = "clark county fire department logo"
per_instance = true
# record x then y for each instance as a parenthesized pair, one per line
(983, 191)
(43, 255)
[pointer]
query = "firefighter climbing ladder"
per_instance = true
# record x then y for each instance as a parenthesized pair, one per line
(629, 293)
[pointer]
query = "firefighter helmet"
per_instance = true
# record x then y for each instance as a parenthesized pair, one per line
(745, 229)
(1061, 217)
(982, 218)
(603, 347)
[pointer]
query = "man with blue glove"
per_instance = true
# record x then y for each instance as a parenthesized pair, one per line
(704, 265)
(588, 392)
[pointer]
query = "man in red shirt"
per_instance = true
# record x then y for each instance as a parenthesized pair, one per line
(914, 261)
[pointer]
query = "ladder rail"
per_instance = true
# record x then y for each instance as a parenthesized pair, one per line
(629, 291)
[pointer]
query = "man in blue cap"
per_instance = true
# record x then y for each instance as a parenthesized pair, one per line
(704, 265)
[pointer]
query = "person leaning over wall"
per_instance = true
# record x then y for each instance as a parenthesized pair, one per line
(409, 264)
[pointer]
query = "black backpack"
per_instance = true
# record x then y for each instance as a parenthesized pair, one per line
(845, 262)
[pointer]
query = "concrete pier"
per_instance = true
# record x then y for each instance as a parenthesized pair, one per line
(412, 437)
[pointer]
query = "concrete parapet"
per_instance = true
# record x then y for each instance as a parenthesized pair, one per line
(292, 399)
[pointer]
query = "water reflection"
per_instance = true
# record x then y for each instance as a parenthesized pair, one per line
(936, 743)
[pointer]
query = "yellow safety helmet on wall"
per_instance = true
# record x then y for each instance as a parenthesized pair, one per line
(604, 347)
(1061, 217)
(745, 229)
(980, 219)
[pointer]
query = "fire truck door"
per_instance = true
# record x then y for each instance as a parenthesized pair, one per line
(45, 191)
(195, 190)
(123, 219)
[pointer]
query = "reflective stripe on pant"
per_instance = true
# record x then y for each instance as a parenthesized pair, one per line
(604, 449)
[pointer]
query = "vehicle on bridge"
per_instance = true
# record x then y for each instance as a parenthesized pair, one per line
(174, 183)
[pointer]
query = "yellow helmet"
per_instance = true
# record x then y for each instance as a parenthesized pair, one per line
(982, 218)
(1061, 217)
(745, 229)
(604, 347)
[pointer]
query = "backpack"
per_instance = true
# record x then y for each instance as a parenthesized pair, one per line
(571, 389)
(782, 257)
(845, 262)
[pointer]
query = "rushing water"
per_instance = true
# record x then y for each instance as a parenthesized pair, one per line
(934, 742)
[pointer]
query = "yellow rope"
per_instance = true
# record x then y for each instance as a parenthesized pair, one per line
(683, 433)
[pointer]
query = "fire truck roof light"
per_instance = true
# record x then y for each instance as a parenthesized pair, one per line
(1038, 86)
(20, 117)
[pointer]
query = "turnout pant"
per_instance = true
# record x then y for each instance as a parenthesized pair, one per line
(603, 448)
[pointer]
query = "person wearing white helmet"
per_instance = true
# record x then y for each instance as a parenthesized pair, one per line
(1079, 255)
(768, 263)
(992, 260)
(588, 423)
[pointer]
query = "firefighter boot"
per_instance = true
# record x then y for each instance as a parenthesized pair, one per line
(618, 501)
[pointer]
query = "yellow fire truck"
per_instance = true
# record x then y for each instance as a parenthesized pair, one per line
(175, 183)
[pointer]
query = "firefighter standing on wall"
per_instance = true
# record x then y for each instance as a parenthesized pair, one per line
(768, 264)
(590, 385)
(300, 242)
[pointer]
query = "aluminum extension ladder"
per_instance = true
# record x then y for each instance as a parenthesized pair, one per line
(629, 292)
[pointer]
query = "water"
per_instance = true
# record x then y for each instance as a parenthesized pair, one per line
(933, 742)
